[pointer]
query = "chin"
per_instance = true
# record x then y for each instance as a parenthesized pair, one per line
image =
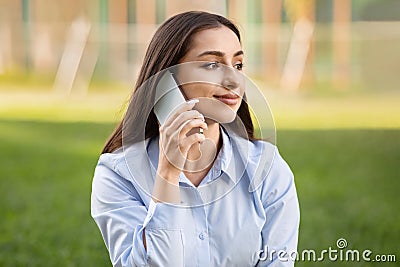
(216, 110)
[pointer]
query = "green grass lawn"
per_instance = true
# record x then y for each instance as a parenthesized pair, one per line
(347, 183)
(46, 171)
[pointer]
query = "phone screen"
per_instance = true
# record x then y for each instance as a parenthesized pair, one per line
(168, 97)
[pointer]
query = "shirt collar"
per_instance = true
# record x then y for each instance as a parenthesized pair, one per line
(238, 157)
(222, 164)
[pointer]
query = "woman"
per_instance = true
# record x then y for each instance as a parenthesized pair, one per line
(196, 214)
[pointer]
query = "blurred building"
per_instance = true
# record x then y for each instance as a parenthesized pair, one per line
(288, 43)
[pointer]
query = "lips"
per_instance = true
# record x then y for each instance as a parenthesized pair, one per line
(229, 99)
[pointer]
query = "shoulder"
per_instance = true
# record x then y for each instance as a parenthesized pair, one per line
(109, 172)
(122, 168)
(271, 154)
(112, 166)
(277, 178)
(117, 161)
(266, 167)
(111, 160)
(121, 175)
(278, 164)
(257, 147)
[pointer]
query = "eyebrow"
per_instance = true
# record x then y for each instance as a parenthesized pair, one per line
(219, 53)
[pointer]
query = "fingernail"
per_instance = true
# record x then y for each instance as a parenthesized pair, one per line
(193, 101)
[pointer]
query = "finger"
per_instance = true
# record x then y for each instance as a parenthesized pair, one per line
(190, 140)
(188, 105)
(189, 125)
(175, 127)
(185, 117)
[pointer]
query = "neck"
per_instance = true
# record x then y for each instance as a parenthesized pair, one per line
(202, 156)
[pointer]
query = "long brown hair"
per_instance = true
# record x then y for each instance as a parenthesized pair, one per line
(168, 46)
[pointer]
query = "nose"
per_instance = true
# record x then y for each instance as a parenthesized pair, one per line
(231, 80)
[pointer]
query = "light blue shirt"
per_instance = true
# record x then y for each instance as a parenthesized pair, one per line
(244, 205)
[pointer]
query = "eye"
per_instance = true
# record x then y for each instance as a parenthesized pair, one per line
(239, 66)
(211, 65)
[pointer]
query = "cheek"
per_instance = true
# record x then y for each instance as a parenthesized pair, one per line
(196, 90)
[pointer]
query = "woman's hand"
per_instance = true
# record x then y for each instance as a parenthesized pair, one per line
(175, 142)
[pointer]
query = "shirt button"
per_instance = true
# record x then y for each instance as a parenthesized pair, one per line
(202, 236)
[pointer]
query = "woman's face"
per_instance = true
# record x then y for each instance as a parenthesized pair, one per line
(215, 76)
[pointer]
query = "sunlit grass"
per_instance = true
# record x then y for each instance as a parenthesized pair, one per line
(300, 111)
(49, 106)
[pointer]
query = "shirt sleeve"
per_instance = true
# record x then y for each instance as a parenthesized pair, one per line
(122, 216)
(280, 203)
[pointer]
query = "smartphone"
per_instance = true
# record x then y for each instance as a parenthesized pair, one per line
(168, 97)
